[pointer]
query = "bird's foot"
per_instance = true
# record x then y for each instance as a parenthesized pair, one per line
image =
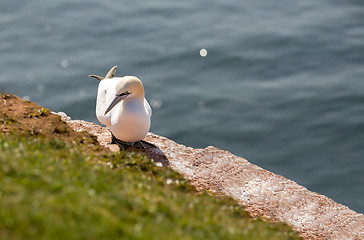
(138, 145)
(143, 145)
(122, 145)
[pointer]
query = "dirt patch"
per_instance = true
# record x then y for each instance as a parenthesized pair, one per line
(19, 116)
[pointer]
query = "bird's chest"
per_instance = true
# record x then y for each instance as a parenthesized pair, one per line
(130, 112)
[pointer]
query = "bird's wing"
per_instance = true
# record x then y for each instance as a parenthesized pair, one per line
(148, 109)
(105, 94)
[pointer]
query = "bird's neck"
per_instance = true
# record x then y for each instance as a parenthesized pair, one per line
(139, 98)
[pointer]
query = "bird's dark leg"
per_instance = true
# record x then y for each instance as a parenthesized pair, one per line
(113, 139)
(144, 145)
(122, 145)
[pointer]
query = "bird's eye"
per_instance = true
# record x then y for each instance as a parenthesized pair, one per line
(123, 93)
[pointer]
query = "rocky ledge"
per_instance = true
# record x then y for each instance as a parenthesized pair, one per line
(262, 193)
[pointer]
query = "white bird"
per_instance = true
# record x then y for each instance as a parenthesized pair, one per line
(122, 107)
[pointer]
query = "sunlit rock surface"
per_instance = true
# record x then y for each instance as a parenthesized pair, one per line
(261, 192)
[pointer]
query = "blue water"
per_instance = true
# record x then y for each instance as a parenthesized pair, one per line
(282, 83)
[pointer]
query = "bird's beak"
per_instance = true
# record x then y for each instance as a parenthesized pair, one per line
(116, 100)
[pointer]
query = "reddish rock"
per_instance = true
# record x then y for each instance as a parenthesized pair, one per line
(262, 193)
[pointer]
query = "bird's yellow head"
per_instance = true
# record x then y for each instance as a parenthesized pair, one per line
(128, 87)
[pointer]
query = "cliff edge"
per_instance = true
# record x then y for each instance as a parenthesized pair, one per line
(262, 193)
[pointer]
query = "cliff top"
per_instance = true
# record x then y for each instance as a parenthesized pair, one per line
(60, 183)
(260, 192)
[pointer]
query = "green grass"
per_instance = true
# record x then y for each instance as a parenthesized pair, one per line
(50, 189)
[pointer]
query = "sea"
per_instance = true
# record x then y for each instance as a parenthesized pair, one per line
(280, 83)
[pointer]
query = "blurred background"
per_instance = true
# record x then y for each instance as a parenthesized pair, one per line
(277, 82)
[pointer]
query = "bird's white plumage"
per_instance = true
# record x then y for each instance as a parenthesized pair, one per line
(129, 120)
(105, 94)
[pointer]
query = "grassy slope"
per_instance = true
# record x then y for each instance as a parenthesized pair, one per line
(53, 188)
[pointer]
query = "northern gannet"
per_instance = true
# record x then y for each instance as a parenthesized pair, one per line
(122, 107)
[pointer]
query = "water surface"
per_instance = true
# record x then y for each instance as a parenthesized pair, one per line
(281, 84)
